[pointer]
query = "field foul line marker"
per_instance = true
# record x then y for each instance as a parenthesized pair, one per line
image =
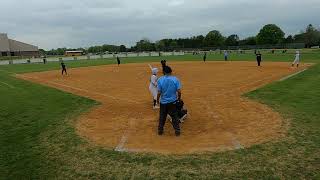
(124, 138)
(236, 143)
(79, 89)
(120, 146)
(6, 71)
(291, 75)
(10, 86)
(92, 92)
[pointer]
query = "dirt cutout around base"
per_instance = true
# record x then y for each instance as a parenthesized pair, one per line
(219, 117)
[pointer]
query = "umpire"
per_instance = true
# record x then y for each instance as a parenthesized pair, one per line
(169, 90)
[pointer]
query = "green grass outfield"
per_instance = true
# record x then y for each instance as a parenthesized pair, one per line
(38, 140)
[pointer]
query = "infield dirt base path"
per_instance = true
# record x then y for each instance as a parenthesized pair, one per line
(219, 118)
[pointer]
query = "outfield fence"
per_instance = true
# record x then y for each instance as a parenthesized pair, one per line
(90, 57)
(247, 47)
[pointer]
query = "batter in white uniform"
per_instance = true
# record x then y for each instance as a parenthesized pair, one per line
(153, 86)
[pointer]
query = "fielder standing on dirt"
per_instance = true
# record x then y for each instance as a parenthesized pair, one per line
(63, 67)
(205, 57)
(296, 59)
(259, 58)
(169, 92)
(118, 60)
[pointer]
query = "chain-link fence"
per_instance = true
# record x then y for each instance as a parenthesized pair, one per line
(90, 57)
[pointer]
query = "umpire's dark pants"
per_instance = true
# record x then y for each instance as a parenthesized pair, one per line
(170, 109)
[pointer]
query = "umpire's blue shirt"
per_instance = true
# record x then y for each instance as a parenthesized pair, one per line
(168, 86)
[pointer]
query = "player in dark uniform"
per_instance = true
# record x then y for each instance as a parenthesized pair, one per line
(64, 69)
(163, 63)
(259, 58)
(118, 60)
(204, 57)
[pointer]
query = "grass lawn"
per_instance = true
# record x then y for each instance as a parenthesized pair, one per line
(38, 140)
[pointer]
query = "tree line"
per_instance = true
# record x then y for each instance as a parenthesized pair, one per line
(270, 34)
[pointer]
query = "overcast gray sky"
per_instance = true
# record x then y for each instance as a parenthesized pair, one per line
(74, 23)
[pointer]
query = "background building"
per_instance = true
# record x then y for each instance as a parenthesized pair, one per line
(73, 53)
(10, 47)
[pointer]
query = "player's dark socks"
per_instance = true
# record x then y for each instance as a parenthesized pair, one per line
(154, 102)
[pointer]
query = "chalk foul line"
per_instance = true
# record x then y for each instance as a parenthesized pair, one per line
(10, 86)
(120, 146)
(80, 89)
(124, 139)
(291, 75)
(236, 143)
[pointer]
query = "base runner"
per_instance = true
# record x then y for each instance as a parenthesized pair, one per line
(296, 59)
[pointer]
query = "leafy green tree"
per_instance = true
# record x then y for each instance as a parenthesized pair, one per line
(42, 52)
(173, 44)
(197, 41)
(289, 39)
(299, 38)
(311, 36)
(251, 40)
(248, 41)
(270, 34)
(214, 38)
(123, 48)
(60, 51)
(232, 40)
(160, 45)
(145, 45)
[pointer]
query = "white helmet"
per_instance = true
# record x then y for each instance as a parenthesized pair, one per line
(155, 71)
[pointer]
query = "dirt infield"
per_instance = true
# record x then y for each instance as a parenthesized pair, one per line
(220, 119)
